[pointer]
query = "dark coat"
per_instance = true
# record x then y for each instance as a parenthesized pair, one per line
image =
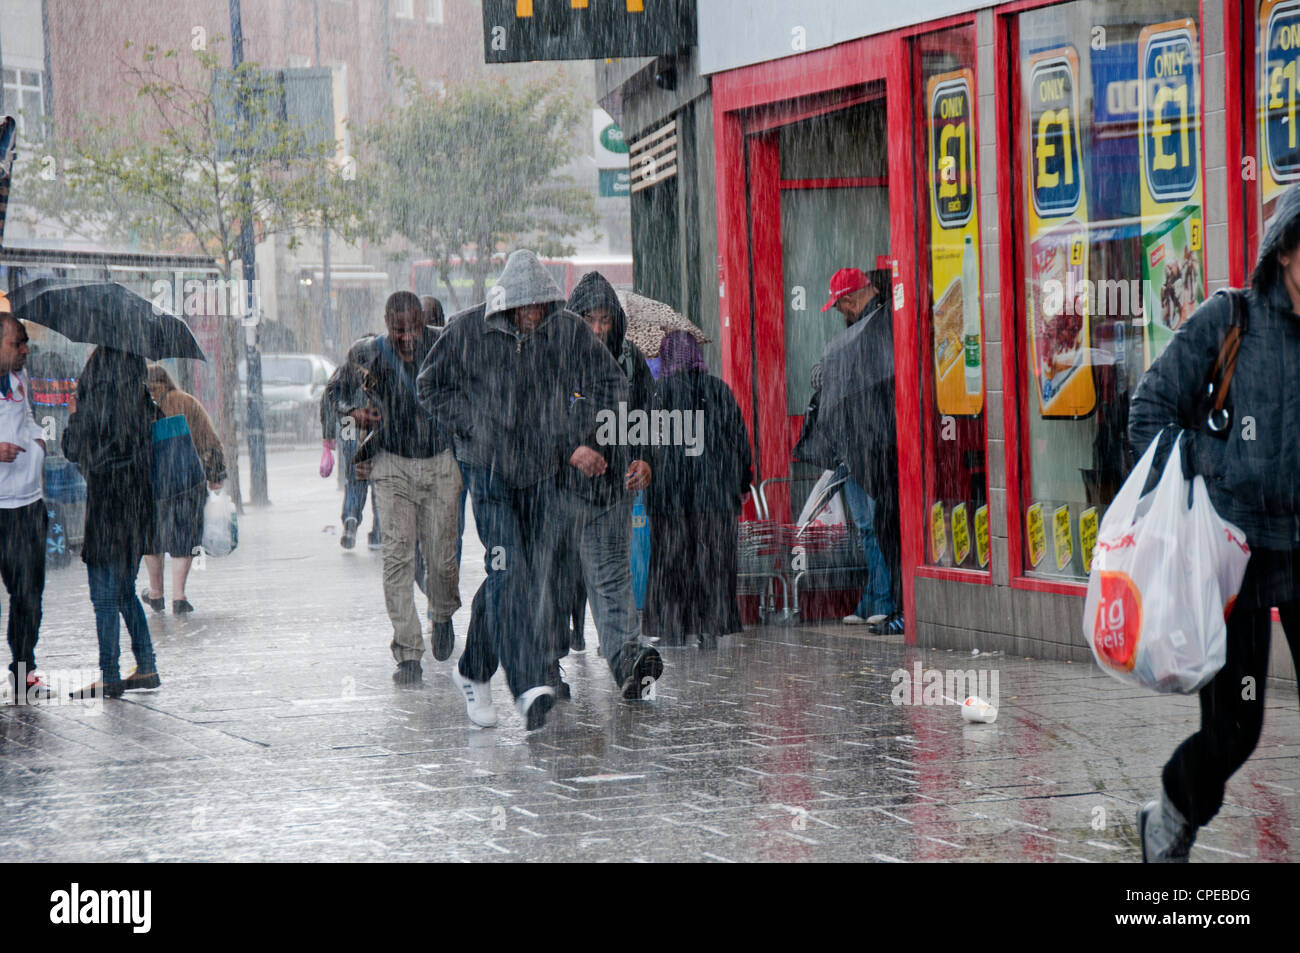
(1252, 471)
(852, 416)
(109, 439)
(591, 292)
(507, 396)
(716, 479)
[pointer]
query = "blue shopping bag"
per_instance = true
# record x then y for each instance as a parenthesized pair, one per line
(640, 550)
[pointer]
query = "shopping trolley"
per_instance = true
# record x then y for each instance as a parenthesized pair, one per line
(761, 550)
(818, 558)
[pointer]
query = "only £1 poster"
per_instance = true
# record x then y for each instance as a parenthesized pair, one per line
(1169, 136)
(1278, 100)
(954, 246)
(1056, 299)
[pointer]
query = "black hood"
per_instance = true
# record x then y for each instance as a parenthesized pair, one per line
(1288, 209)
(592, 292)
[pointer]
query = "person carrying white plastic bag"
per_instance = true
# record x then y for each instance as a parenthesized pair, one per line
(1164, 575)
(220, 530)
(1247, 449)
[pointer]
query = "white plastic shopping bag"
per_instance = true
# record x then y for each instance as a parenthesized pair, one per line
(220, 529)
(1163, 580)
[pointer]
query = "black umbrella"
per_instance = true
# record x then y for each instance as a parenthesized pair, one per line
(105, 312)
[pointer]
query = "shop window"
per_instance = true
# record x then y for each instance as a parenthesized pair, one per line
(1276, 45)
(1110, 251)
(950, 301)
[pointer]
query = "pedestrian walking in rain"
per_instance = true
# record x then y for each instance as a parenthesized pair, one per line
(1251, 466)
(418, 485)
(501, 375)
(594, 528)
(180, 523)
(851, 425)
(108, 438)
(346, 389)
(702, 471)
(23, 517)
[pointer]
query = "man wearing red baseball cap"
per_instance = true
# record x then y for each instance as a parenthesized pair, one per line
(861, 432)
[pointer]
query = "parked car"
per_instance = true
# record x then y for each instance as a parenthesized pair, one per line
(292, 385)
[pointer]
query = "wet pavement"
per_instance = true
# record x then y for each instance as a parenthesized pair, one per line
(278, 735)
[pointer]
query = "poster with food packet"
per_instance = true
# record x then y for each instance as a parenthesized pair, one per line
(1169, 137)
(956, 319)
(1057, 267)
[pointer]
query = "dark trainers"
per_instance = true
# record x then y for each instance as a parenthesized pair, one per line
(181, 606)
(349, 537)
(444, 640)
(141, 680)
(157, 605)
(409, 673)
(555, 678)
(534, 705)
(640, 674)
(892, 625)
(98, 689)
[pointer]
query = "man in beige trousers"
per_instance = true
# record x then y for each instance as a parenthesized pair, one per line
(417, 482)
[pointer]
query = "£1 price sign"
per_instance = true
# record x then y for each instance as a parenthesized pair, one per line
(1278, 97)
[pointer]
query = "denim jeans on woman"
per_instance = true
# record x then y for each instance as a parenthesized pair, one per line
(112, 593)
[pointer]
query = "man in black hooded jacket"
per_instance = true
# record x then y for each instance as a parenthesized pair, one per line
(501, 376)
(593, 552)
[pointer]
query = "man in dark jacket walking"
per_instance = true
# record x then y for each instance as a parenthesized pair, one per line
(855, 426)
(1250, 460)
(595, 526)
(501, 376)
(417, 483)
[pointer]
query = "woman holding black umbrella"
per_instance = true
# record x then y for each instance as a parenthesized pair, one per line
(108, 438)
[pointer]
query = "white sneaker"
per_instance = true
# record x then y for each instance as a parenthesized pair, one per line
(478, 699)
(854, 620)
(878, 617)
(534, 705)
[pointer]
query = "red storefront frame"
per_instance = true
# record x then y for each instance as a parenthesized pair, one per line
(752, 102)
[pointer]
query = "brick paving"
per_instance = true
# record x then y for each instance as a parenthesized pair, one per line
(279, 735)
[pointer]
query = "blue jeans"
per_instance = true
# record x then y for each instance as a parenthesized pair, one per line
(112, 593)
(601, 539)
(507, 626)
(877, 595)
(354, 496)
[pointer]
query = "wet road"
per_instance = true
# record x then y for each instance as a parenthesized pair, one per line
(279, 735)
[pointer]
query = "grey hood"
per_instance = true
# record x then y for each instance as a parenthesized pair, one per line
(525, 280)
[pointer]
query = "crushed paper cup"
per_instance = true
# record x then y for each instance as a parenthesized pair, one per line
(977, 710)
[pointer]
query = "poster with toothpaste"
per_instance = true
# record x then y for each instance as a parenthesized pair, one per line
(1169, 144)
(1057, 266)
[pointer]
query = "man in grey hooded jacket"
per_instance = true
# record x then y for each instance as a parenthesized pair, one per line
(501, 376)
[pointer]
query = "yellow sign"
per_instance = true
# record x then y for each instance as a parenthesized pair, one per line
(982, 536)
(1061, 536)
(938, 532)
(1035, 534)
(1169, 136)
(1088, 536)
(960, 534)
(1057, 305)
(954, 246)
(1278, 99)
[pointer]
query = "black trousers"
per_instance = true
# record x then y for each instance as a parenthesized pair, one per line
(22, 566)
(1232, 714)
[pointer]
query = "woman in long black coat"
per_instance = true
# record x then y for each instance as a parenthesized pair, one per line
(694, 501)
(108, 438)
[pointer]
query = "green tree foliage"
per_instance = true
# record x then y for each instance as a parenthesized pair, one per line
(179, 173)
(461, 173)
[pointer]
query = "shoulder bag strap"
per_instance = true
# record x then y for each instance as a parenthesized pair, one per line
(1225, 364)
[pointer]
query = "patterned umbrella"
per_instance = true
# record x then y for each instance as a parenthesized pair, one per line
(649, 320)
